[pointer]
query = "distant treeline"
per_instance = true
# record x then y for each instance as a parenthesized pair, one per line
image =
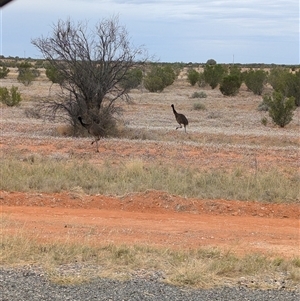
(13, 62)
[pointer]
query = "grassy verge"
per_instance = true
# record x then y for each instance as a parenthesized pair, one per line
(52, 175)
(73, 263)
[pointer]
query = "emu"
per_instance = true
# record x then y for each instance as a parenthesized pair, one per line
(94, 129)
(180, 118)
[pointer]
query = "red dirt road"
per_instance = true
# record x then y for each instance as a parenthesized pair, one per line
(156, 219)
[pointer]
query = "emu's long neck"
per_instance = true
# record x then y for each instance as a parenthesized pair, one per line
(174, 111)
(82, 123)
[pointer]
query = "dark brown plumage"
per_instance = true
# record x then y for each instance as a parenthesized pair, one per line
(94, 129)
(180, 118)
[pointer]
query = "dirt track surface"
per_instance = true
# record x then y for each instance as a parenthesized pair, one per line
(156, 219)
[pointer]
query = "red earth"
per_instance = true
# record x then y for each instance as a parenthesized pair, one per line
(155, 218)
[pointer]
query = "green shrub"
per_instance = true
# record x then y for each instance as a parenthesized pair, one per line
(26, 73)
(26, 76)
(213, 74)
(53, 75)
(281, 108)
(153, 83)
(264, 121)
(177, 67)
(199, 106)
(201, 81)
(4, 72)
(255, 80)
(132, 79)
(277, 78)
(25, 65)
(211, 62)
(292, 86)
(4, 95)
(10, 97)
(285, 82)
(168, 75)
(40, 63)
(199, 95)
(230, 85)
(235, 70)
(193, 76)
(158, 78)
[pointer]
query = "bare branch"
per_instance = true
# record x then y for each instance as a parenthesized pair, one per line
(91, 63)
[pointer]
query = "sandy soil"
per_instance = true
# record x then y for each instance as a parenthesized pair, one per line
(157, 218)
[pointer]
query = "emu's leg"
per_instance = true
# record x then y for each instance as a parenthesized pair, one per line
(179, 127)
(96, 140)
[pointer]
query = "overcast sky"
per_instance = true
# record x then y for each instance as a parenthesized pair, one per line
(243, 31)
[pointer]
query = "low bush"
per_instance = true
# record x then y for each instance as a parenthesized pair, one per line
(264, 121)
(4, 71)
(11, 97)
(292, 86)
(193, 76)
(154, 83)
(27, 75)
(236, 70)
(255, 80)
(277, 78)
(213, 74)
(159, 78)
(286, 82)
(199, 106)
(53, 75)
(199, 95)
(132, 79)
(280, 108)
(201, 81)
(211, 62)
(230, 85)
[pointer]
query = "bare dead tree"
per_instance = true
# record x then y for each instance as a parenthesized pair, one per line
(92, 65)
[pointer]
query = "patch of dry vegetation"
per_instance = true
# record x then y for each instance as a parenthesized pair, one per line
(57, 174)
(69, 263)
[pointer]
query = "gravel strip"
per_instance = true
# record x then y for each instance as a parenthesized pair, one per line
(18, 285)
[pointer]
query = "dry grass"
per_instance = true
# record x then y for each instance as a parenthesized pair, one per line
(66, 262)
(55, 174)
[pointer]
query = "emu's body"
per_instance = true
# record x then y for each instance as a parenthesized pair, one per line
(180, 118)
(94, 129)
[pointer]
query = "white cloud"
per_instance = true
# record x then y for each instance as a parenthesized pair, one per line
(172, 29)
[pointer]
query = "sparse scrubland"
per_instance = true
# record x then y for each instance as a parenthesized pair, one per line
(227, 153)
